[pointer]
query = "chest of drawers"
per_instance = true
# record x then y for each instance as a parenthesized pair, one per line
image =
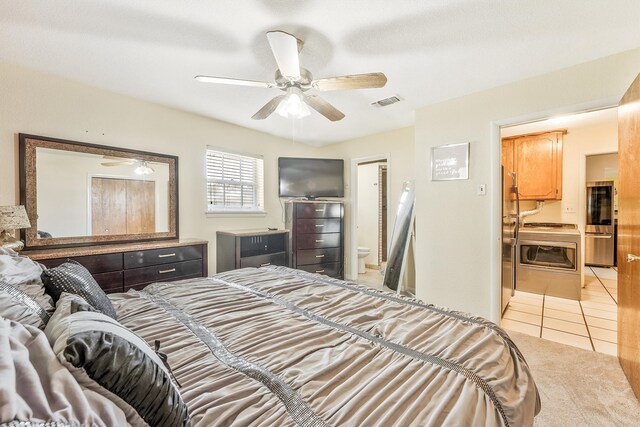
(118, 268)
(317, 236)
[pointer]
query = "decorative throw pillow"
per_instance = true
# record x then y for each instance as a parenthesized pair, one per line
(73, 278)
(24, 274)
(108, 358)
(37, 390)
(20, 307)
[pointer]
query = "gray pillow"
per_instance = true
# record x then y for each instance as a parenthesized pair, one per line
(73, 278)
(19, 306)
(108, 358)
(24, 274)
(37, 390)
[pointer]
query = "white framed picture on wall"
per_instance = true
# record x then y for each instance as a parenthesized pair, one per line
(450, 162)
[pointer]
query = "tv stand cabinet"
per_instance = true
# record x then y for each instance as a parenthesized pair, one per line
(251, 248)
(317, 236)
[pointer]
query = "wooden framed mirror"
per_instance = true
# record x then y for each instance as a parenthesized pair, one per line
(80, 194)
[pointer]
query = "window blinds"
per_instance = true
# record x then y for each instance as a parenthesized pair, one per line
(235, 182)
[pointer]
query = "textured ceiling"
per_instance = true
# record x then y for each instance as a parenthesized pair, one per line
(430, 50)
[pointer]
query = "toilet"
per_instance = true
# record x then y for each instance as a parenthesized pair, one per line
(363, 252)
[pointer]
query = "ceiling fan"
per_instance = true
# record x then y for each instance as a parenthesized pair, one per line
(296, 81)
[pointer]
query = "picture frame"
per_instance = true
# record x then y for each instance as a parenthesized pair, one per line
(450, 162)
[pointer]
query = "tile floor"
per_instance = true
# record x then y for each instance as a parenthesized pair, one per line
(590, 324)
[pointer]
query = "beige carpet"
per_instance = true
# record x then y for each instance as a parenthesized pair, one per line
(578, 387)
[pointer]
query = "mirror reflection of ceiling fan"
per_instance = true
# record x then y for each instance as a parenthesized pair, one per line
(142, 167)
(296, 81)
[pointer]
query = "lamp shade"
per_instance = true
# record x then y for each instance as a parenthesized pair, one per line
(13, 218)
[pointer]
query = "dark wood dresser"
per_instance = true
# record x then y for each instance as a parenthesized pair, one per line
(317, 236)
(118, 268)
(251, 248)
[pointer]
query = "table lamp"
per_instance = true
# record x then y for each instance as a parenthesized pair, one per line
(12, 218)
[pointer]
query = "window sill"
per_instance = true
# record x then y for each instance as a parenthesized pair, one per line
(232, 214)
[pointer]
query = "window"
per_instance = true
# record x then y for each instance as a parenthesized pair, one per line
(235, 182)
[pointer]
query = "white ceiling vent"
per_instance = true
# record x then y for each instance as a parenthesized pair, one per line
(386, 101)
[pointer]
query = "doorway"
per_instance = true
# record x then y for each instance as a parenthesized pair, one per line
(369, 219)
(557, 295)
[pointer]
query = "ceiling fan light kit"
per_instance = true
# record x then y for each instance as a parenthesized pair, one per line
(143, 168)
(296, 81)
(293, 105)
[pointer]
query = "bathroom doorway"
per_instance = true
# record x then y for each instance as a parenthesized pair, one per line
(369, 232)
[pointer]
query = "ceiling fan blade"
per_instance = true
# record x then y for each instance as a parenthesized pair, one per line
(119, 159)
(123, 163)
(285, 50)
(237, 82)
(324, 108)
(354, 81)
(268, 108)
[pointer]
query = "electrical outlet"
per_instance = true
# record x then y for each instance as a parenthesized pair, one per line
(482, 189)
(569, 209)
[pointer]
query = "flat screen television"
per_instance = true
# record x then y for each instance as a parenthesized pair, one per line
(310, 178)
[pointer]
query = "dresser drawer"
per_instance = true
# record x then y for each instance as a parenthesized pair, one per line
(315, 256)
(331, 269)
(94, 263)
(110, 282)
(162, 256)
(279, 258)
(307, 226)
(316, 241)
(318, 210)
(162, 273)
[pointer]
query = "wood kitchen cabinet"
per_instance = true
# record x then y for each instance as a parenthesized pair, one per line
(537, 161)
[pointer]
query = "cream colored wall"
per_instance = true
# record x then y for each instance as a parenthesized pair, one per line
(398, 147)
(458, 232)
(602, 167)
(368, 210)
(41, 104)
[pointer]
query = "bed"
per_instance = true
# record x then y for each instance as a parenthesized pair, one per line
(277, 346)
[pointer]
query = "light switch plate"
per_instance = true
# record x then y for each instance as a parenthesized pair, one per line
(482, 189)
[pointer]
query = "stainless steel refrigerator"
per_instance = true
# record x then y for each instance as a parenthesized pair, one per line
(600, 228)
(510, 229)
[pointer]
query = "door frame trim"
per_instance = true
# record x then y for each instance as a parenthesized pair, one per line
(495, 152)
(353, 220)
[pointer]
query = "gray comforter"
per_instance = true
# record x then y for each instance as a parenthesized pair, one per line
(276, 346)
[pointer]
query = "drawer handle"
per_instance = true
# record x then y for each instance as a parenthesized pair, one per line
(265, 264)
(319, 225)
(166, 255)
(319, 241)
(321, 210)
(320, 256)
(319, 271)
(171, 270)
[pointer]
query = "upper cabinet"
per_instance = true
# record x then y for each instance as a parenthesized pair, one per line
(537, 161)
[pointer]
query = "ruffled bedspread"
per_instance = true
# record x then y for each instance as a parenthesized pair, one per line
(276, 346)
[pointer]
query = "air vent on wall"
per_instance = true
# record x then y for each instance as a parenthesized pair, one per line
(386, 101)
